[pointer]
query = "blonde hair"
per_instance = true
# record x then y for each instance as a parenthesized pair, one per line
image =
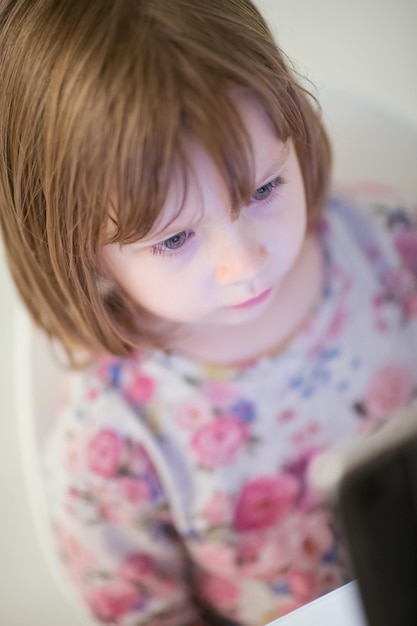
(96, 100)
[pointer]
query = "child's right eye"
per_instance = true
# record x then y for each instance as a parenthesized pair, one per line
(170, 245)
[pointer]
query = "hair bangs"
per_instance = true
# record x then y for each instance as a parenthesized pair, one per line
(148, 110)
(143, 178)
(102, 101)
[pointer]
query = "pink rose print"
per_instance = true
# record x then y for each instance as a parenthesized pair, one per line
(410, 305)
(140, 389)
(112, 600)
(299, 467)
(216, 558)
(317, 539)
(287, 415)
(139, 569)
(133, 489)
(218, 509)
(264, 501)
(391, 389)
(406, 244)
(338, 322)
(302, 539)
(400, 282)
(219, 591)
(136, 567)
(161, 587)
(221, 395)
(219, 442)
(248, 551)
(303, 585)
(263, 554)
(104, 453)
(77, 556)
(299, 539)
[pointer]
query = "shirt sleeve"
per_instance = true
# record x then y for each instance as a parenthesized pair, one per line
(389, 237)
(112, 528)
(396, 213)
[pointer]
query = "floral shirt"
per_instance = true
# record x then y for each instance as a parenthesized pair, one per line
(179, 490)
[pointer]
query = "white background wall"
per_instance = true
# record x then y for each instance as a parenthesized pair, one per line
(369, 46)
(364, 46)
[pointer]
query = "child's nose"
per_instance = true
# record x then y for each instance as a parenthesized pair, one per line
(239, 258)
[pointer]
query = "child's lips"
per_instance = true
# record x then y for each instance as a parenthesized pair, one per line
(253, 301)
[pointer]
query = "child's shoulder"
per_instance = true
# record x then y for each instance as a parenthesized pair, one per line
(110, 393)
(374, 202)
(381, 220)
(104, 407)
(373, 232)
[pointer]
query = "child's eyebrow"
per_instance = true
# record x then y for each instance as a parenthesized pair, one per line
(278, 162)
(177, 224)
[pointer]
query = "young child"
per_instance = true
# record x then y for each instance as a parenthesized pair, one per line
(165, 206)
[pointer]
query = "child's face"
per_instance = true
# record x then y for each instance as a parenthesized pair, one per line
(202, 267)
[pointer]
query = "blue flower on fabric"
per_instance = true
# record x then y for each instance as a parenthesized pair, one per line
(115, 374)
(331, 556)
(282, 588)
(330, 353)
(244, 410)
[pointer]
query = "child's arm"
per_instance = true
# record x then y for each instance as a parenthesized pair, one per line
(124, 568)
(114, 534)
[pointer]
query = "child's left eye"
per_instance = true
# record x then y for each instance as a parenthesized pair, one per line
(265, 191)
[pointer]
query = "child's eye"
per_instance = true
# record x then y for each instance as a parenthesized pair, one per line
(265, 191)
(172, 244)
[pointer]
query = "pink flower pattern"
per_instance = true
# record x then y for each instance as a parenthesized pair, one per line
(218, 509)
(201, 473)
(220, 442)
(218, 590)
(136, 567)
(264, 501)
(112, 600)
(104, 453)
(406, 244)
(391, 389)
(140, 389)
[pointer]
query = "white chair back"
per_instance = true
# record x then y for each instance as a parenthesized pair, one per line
(37, 379)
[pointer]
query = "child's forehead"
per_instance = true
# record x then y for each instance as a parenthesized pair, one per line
(192, 195)
(197, 179)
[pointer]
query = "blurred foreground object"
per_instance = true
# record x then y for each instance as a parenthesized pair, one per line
(374, 485)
